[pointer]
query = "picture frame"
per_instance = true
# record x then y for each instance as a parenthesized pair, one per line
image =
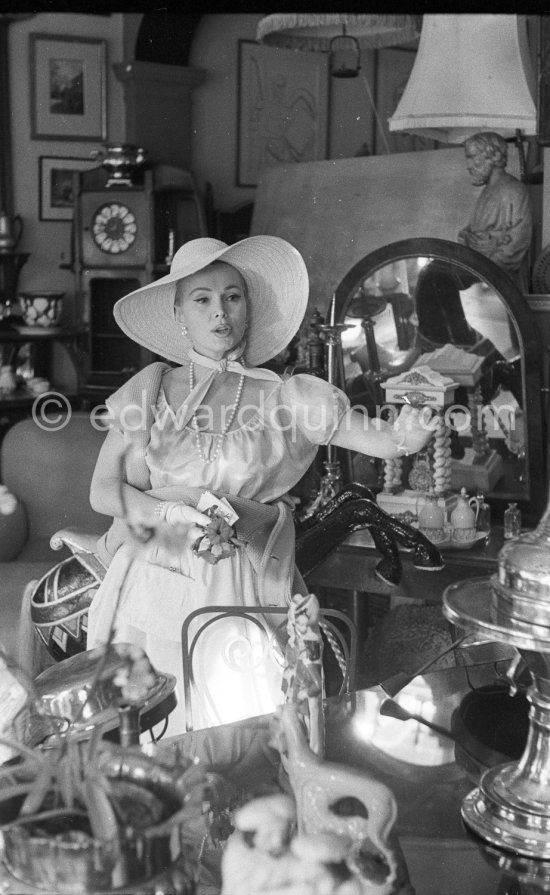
(68, 87)
(282, 108)
(57, 183)
(392, 69)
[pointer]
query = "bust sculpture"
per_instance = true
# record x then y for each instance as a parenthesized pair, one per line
(501, 224)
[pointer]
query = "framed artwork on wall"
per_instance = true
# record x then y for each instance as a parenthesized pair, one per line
(282, 108)
(67, 81)
(56, 178)
(392, 69)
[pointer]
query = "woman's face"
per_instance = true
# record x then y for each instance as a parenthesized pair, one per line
(212, 305)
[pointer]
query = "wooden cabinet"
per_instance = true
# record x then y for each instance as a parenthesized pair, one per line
(123, 239)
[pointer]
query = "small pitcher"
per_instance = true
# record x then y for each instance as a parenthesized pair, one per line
(463, 517)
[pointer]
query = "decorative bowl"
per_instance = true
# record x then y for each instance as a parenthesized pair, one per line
(69, 691)
(41, 308)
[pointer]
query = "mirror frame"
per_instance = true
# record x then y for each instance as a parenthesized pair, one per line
(529, 336)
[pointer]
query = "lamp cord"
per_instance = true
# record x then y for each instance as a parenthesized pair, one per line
(376, 115)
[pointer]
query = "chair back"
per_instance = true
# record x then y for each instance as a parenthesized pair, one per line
(344, 646)
(50, 471)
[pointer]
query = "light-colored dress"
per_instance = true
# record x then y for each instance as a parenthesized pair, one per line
(236, 674)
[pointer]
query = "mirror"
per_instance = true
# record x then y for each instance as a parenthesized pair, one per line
(431, 301)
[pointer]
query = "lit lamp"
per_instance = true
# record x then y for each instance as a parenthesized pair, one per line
(472, 73)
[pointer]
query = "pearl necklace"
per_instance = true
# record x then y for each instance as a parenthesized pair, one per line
(195, 422)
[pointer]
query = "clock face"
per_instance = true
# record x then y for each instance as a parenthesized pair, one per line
(114, 228)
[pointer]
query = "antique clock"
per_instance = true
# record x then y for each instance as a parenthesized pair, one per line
(124, 236)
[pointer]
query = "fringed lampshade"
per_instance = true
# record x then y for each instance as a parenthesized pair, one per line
(314, 31)
(472, 73)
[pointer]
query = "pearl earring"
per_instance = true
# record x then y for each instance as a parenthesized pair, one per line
(184, 331)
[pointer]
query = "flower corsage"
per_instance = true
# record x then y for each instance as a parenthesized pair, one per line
(218, 539)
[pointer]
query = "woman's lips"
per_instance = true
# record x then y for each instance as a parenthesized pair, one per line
(222, 331)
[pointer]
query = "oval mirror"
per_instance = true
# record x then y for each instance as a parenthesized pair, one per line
(437, 303)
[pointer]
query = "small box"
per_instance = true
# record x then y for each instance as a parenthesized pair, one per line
(420, 386)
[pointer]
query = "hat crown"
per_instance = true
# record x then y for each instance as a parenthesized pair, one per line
(196, 252)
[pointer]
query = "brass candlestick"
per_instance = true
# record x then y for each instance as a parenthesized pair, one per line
(332, 481)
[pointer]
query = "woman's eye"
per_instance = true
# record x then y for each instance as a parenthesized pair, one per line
(233, 296)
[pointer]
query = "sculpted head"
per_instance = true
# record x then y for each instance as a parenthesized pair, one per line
(484, 152)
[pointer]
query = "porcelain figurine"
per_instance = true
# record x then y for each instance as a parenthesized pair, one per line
(265, 855)
(303, 683)
(333, 799)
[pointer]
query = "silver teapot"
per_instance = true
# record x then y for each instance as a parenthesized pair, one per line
(11, 231)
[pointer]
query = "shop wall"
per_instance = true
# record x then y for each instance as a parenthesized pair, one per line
(215, 49)
(49, 242)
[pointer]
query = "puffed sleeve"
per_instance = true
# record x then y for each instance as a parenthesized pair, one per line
(315, 405)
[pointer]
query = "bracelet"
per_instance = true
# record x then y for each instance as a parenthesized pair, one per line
(160, 509)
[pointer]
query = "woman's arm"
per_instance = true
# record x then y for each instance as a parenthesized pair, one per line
(112, 495)
(411, 432)
(109, 492)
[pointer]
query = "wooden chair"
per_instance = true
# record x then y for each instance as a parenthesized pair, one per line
(344, 646)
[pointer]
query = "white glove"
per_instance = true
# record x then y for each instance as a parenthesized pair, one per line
(184, 516)
(181, 514)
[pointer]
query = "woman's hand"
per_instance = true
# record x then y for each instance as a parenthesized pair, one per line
(413, 429)
(190, 520)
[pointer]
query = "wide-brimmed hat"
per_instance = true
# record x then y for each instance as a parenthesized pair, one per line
(277, 283)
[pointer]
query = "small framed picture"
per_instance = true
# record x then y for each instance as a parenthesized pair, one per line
(68, 98)
(57, 182)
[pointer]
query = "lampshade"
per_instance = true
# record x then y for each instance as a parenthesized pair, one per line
(314, 31)
(472, 73)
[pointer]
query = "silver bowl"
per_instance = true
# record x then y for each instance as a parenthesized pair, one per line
(65, 692)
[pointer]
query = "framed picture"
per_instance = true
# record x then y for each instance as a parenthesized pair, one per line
(393, 67)
(57, 183)
(67, 88)
(282, 108)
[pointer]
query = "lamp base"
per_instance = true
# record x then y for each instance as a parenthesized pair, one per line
(502, 817)
(476, 475)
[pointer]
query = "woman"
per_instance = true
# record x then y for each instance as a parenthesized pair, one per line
(219, 423)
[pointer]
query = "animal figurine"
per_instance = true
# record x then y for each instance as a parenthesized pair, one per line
(265, 856)
(346, 802)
